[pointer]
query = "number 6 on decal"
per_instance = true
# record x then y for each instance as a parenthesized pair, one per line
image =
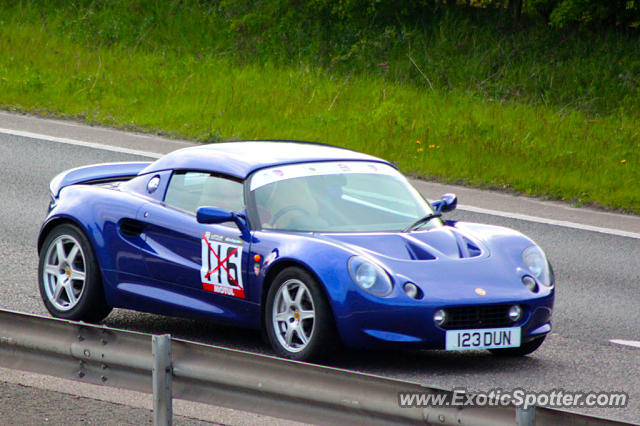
(220, 274)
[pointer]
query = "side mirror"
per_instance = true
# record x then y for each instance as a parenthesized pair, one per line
(211, 215)
(447, 203)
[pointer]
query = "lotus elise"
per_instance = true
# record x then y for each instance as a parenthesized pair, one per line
(313, 244)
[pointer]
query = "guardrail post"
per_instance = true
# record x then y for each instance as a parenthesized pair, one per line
(526, 417)
(162, 377)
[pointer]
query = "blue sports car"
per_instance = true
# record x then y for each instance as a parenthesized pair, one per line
(313, 244)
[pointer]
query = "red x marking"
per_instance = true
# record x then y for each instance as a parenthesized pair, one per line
(220, 262)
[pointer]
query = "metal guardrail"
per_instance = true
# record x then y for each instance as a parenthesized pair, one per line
(173, 368)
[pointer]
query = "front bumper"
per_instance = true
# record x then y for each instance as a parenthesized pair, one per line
(394, 322)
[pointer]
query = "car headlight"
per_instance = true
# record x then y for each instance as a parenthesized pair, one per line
(535, 259)
(369, 276)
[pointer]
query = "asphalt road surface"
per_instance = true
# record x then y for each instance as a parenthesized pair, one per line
(597, 294)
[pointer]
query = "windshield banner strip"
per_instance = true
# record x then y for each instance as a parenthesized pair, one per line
(276, 174)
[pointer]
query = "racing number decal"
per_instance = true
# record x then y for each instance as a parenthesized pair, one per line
(221, 270)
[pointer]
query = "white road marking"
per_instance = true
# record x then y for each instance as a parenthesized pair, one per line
(474, 209)
(67, 141)
(58, 122)
(633, 343)
(554, 222)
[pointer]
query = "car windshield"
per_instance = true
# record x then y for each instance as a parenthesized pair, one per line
(352, 196)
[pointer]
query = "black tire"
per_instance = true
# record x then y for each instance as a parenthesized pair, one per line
(322, 340)
(89, 303)
(524, 349)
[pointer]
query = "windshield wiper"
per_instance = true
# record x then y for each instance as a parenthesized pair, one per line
(421, 221)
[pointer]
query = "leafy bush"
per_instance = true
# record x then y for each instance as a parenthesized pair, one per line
(425, 43)
(621, 13)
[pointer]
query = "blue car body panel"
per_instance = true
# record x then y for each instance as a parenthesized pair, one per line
(151, 259)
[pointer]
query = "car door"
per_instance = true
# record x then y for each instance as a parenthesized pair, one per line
(196, 263)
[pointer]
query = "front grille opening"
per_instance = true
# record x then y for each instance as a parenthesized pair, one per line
(483, 316)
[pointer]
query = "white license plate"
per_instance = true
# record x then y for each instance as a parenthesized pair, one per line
(484, 338)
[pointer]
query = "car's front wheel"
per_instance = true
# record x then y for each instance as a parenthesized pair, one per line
(524, 349)
(69, 277)
(298, 318)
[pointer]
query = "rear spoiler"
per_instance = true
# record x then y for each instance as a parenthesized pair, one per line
(95, 173)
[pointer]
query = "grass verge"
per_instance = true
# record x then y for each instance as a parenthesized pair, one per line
(451, 135)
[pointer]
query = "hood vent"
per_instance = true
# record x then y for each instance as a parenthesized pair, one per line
(466, 247)
(474, 250)
(444, 242)
(416, 252)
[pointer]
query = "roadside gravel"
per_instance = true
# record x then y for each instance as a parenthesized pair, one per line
(26, 405)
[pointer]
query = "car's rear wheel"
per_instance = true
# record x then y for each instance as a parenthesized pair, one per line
(69, 277)
(524, 349)
(298, 318)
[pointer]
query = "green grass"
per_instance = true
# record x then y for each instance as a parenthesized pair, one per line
(587, 152)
